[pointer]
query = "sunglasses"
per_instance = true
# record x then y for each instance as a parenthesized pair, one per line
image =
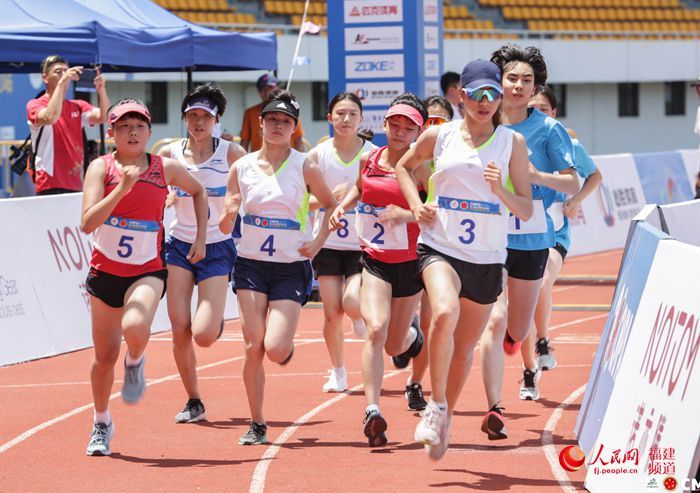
(489, 93)
(435, 120)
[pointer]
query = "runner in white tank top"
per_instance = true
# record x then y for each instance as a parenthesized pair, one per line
(463, 234)
(272, 276)
(208, 160)
(337, 265)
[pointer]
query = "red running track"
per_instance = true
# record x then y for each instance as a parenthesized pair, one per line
(319, 445)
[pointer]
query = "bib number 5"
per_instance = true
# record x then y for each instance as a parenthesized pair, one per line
(125, 248)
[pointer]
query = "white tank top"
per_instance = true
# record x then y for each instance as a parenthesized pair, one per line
(336, 171)
(212, 175)
(276, 220)
(472, 222)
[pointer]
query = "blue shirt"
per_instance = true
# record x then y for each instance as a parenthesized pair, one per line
(585, 167)
(550, 149)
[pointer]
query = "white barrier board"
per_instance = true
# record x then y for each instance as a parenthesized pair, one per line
(44, 260)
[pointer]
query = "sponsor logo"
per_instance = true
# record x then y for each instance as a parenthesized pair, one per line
(431, 39)
(605, 204)
(571, 458)
(652, 484)
(9, 292)
(257, 221)
(371, 66)
(432, 65)
(453, 204)
(374, 38)
(430, 10)
(670, 483)
(376, 93)
(373, 11)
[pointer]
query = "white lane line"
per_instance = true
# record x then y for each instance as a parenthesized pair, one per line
(257, 484)
(46, 424)
(578, 321)
(550, 450)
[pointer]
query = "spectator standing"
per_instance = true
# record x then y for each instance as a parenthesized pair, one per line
(59, 121)
(251, 136)
(449, 83)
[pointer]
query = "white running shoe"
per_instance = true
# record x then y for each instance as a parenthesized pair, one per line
(529, 387)
(436, 452)
(99, 439)
(545, 358)
(337, 380)
(359, 328)
(429, 428)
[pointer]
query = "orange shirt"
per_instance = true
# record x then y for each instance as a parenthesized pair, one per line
(251, 128)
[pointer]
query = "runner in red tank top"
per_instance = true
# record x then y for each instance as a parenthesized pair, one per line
(123, 201)
(390, 288)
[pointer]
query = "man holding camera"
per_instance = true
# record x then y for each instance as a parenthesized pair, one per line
(56, 123)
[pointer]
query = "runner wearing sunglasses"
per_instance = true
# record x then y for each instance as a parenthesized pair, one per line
(464, 227)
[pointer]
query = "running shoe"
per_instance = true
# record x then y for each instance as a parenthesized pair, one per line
(529, 387)
(436, 452)
(510, 345)
(337, 380)
(99, 439)
(414, 396)
(359, 328)
(375, 426)
(429, 429)
(194, 411)
(493, 424)
(403, 359)
(545, 358)
(288, 358)
(134, 382)
(256, 435)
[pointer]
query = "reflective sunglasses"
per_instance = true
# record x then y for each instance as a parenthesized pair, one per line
(489, 93)
(435, 120)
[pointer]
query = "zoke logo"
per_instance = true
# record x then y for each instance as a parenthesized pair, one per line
(373, 66)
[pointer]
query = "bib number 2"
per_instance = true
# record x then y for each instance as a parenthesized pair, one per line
(268, 245)
(377, 238)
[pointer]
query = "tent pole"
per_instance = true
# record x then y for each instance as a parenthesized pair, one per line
(102, 140)
(189, 78)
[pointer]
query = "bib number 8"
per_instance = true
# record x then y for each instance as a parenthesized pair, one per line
(268, 245)
(377, 238)
(344, 231)
(125, 249)
(469, 230)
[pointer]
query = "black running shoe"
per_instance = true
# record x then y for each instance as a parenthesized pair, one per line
(493, 424)
(194, 411)
(414, 395)
(403, 359)
(256, 435)
(375, 426)
(545, 358)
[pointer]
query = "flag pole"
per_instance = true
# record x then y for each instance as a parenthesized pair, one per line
(296, 50)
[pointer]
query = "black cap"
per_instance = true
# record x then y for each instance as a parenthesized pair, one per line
(282, 106)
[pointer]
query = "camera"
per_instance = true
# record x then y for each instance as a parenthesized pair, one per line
(86, 82)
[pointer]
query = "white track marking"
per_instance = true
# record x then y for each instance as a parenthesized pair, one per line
(46, 424)
(550, 450)
(257, 484)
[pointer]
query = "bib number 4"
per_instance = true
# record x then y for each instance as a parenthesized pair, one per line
(268, 245)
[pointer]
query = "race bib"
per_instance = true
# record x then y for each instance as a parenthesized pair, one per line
(129, 241)
(556, 212)
(344, 238)
(470, 224)
(536, 225)
(268, 238)
(373, 233)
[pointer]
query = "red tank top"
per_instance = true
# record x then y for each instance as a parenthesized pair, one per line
(379, 189)
(134, 229)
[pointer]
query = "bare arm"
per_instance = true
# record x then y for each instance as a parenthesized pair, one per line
(566, 181)
(415, 157)
(520, 202)
(235, 152)
(99, 114)
(176, 174)
(232, 202)
(317, 186)
(96, 206)
(589, 185)
(52, 112)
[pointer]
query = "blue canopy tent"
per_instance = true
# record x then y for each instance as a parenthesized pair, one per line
(123, 36)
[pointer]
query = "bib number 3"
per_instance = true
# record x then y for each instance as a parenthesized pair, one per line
(469, 230)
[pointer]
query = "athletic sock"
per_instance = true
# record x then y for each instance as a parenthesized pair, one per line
(372, 407)
(441, 405)
(131, 361)
(104, 417)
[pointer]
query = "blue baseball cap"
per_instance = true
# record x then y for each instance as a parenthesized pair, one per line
(481, 73)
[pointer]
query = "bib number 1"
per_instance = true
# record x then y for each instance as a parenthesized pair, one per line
(268, 245)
